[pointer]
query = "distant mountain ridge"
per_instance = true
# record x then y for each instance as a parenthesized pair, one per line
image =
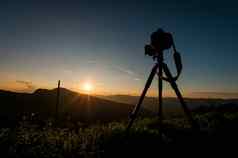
(170, 103)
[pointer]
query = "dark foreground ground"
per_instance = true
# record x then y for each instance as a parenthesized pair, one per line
(218, 133)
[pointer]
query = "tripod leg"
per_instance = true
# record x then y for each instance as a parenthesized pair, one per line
(160, 95)
(137, 107)
(180, 97)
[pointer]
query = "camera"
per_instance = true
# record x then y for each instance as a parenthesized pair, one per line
(159, 41)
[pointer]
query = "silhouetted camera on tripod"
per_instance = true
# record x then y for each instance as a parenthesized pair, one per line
(159, 41)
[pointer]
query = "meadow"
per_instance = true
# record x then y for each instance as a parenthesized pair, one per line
(71, 139)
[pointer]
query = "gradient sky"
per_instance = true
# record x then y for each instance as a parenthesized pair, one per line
(103, 42)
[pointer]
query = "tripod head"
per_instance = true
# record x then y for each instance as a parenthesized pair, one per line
(160, 41)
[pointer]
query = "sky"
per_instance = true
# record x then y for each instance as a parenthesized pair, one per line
(102, 43)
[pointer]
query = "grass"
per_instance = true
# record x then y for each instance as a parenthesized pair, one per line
(107, 140)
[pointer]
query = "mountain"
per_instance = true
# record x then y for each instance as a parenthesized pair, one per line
(170, 104)
(43, 102)
(87, 108)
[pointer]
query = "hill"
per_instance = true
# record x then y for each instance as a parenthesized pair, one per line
(170, 104)
(43, 102)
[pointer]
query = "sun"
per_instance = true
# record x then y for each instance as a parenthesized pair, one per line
(88, 87)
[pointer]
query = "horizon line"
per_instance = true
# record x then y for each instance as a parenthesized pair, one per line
(193, 95)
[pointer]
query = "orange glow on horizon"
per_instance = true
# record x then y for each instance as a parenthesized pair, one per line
(88, 87)
(93, 88)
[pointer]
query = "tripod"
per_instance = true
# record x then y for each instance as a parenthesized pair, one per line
(158, 69)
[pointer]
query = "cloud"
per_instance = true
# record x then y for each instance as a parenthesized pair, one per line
(137, 79)
(27, 84)
(92, 61)
(130, 72)
(67, 72)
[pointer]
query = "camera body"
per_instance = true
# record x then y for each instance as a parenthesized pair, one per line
(159, 41)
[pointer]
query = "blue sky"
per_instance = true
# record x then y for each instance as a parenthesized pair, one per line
(103, 42)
